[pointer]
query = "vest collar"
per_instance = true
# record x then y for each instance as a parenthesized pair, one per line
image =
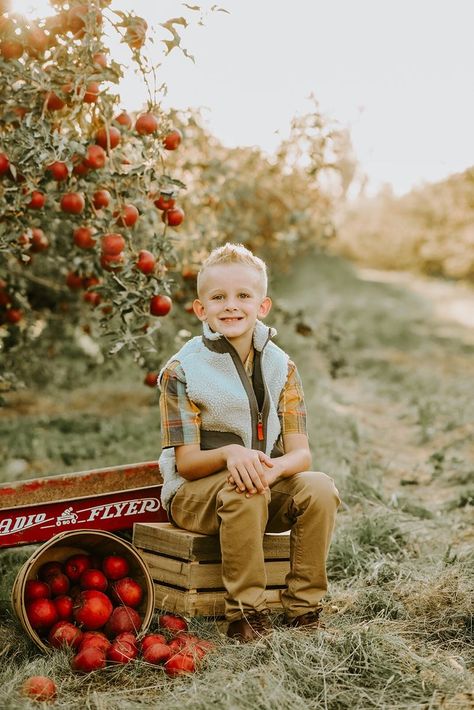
(261, 335)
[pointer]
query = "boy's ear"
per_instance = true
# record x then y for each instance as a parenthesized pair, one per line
(265, 306)
(198, 309)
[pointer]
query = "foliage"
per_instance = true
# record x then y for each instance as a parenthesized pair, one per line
(62, 140)
(277, 205)
(430, 229)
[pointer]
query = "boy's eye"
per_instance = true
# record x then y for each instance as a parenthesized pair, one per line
(218, 297)
(244, 295)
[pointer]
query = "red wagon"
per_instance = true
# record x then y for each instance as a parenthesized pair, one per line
(110, 499)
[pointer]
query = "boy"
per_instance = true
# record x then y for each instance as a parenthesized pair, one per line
(235, 458)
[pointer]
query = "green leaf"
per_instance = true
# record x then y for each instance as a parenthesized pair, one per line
(117, 347)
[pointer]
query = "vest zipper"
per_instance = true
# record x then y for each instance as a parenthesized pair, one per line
(257, 443)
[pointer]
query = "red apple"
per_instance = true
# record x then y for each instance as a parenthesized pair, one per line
(73, 202)
(77, 564)
(173, 623)
(146, 124)
(64, 605)
(151, 379)
(41, 614)
(127, 591)
(106, 135)
(59, 584)
(173, 217)
(88, 659)
(156, 653)
(39, 688)
(101, 199)
(93, 609)
(164, 201)
(124, 119)
(121, 652)
(4, 164)
(83, 237)
(160, 305)
(37, 200)
(93, 579)
(172, 139)
(150, 639)
(59, 171)
(35, 589)
(180, 664)
(112, 244)
(49, 568)
(115, 566)
(96, 157)
(146, 262)
(127, 216)
(96, 639)
(39, 241)
(123, 618)
(63, 633)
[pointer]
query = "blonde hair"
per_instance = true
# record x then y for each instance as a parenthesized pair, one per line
(234, 254)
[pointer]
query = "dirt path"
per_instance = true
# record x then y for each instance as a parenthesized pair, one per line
(452, 301)
(390, 431)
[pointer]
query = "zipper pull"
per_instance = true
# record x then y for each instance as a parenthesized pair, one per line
(260, 427)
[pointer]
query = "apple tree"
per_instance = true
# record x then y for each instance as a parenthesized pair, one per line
(85, 231)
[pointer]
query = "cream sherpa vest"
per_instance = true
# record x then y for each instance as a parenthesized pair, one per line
(217, 383)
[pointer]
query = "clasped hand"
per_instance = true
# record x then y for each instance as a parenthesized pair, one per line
(249, 469)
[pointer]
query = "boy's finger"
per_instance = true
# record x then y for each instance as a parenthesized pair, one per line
(239, 484)
(257, 464)
(245, 478)
(258, 478)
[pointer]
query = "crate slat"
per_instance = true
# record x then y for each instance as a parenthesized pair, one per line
(195, 575)
(168, 540)
(194, 603)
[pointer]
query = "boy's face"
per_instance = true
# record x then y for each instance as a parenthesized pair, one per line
(231, 298)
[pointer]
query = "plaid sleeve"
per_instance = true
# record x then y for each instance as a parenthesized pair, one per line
(180, 422)
(291, 407)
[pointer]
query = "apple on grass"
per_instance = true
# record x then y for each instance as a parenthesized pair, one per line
(173, 622)
(40, 688)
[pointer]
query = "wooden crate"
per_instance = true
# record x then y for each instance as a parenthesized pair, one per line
(186, 568)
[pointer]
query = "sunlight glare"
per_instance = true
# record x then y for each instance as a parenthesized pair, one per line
(33, 8)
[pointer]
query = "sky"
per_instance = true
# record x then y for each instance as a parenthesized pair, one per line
(397, 73)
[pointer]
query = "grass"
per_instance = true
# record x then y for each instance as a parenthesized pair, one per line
(390, 418)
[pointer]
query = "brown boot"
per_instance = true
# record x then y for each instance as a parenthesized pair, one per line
(251, 627)
(306, 622)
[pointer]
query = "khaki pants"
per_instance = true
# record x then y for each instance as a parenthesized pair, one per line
(305, 503)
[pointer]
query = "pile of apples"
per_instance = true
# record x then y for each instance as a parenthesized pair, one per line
(90, 604)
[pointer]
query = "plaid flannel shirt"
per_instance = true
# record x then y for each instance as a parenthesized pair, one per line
(180, 417)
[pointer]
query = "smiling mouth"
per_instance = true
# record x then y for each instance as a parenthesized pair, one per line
(231, 319)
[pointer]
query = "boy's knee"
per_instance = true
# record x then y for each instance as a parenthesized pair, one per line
(229, 499)
(318, 487)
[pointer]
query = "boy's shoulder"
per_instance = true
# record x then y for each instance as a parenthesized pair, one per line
(190, 347)
(172, 367)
